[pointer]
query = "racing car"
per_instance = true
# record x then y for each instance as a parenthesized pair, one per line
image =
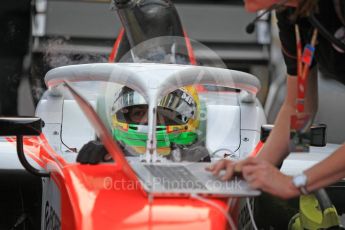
(71, 193)
(84, 196)
(75, 188)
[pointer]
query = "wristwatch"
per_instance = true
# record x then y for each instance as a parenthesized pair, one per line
(300, 182)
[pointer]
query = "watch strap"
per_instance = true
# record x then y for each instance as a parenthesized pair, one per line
(303, 190)
(300, 181)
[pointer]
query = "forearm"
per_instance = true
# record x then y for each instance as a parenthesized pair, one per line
(328, 171)
(277, 145)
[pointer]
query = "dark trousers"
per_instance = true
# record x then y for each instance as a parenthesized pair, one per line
(15, 23)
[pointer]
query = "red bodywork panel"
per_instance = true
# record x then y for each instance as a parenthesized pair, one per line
(102, 197)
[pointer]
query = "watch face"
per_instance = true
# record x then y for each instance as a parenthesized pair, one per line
(300, 180)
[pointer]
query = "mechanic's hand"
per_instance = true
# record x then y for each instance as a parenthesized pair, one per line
(230, 168)
(261, 174)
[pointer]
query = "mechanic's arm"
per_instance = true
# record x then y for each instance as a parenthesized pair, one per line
(276, 147)
(328, 171)
(263, 175)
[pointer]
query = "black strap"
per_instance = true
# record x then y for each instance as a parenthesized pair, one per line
(325, 33)
(340, 10)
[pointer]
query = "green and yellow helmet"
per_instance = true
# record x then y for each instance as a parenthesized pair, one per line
(177, 119)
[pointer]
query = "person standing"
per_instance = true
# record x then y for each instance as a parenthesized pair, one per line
(261, 172)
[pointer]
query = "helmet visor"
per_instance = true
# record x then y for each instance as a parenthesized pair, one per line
(174, 109)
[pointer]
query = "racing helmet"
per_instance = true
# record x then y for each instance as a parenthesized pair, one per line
(177, 120)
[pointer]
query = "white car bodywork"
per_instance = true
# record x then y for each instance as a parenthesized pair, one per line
(230, 121)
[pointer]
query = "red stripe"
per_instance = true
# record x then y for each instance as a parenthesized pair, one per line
(190, 50)
(257, 149)
(116, 46)
(50, 152)
(192, 59)
(27, 152)
(39, 150)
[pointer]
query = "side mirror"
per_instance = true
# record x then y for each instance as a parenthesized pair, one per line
(19, 127)
(317, 134)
